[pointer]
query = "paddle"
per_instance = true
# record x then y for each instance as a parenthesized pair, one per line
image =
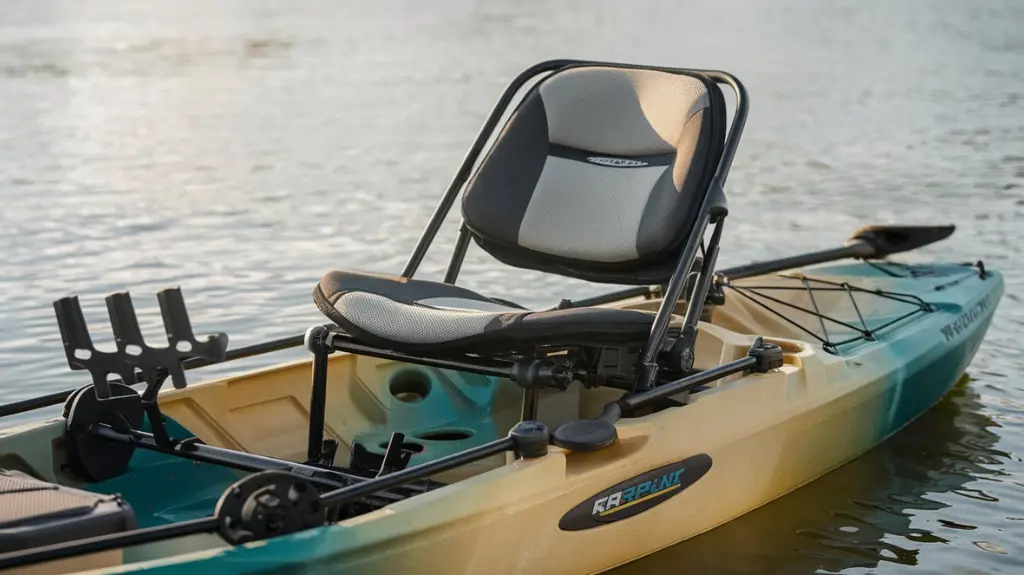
(871, 242)
(194, 363)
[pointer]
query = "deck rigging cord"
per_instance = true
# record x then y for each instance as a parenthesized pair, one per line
(810, 286)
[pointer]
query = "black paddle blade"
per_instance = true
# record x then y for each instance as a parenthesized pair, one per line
(887, 240)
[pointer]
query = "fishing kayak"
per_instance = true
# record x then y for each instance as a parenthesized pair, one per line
(438, 430)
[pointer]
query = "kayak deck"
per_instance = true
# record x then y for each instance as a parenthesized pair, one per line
(783, 429)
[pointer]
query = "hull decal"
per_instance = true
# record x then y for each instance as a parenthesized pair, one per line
(960, 324)
(637, 494)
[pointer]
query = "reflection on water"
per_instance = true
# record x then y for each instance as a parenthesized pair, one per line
(886, 507)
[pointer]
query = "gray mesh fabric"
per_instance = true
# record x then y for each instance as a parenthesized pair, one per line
(599, 173)
(23, 497)
(620, 112)
(591, 208)
(586, 211)
(414, 324)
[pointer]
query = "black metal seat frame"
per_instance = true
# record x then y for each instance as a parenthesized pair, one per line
(534, 371)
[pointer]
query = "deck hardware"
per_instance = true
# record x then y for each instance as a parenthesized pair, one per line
(268, 504)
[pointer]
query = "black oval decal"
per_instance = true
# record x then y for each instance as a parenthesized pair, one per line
(636, 495)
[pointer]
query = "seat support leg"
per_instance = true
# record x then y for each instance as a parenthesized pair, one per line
(531, 401)
(648, 362)
(683, 350)
(318, 395)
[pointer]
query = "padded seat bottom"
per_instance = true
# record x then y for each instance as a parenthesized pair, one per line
(416, 315)
(36, 513)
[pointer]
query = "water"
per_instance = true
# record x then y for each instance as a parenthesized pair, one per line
(242, 149)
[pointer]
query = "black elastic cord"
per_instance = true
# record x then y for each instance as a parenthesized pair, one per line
(810, 286)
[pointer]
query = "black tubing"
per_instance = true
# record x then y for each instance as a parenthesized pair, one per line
(247, 351)
(857, 249)
(107, 542)
(353, 492)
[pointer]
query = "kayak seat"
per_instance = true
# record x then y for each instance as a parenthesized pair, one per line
(599, 174)
(417, 315)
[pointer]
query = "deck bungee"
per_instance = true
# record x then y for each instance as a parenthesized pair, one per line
(438, 430)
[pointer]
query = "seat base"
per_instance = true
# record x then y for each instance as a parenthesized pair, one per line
(36, 513)
(422, 316)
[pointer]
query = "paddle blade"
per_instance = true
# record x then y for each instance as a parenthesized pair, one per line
(887, 240)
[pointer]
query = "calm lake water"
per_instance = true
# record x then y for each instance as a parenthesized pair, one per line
(242, 149)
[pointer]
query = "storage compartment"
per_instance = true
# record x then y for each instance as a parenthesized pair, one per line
(35, 513)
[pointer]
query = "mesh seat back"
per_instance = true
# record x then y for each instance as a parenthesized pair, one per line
(599, 173)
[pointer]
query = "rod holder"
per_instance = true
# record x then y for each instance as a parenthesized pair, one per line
(135, 361)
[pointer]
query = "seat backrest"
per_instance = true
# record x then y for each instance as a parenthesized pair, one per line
(599, 173)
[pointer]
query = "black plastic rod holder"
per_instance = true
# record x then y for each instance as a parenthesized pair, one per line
(133, 354)
(82, 354)
(59, 397)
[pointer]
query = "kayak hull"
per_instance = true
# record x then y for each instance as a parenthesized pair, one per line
(732, 448)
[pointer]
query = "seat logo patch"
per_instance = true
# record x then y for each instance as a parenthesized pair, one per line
(616, 162)
(636, 495)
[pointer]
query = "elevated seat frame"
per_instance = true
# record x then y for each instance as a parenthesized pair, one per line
(536, 371)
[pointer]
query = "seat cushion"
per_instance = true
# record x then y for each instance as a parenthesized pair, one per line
(416, 315)
(599, 174)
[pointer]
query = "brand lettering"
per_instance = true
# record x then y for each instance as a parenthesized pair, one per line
(637, 493)
(616, 162)
(960, 324)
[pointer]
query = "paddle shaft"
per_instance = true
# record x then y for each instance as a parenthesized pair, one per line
(240, 353)
(855, 249)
